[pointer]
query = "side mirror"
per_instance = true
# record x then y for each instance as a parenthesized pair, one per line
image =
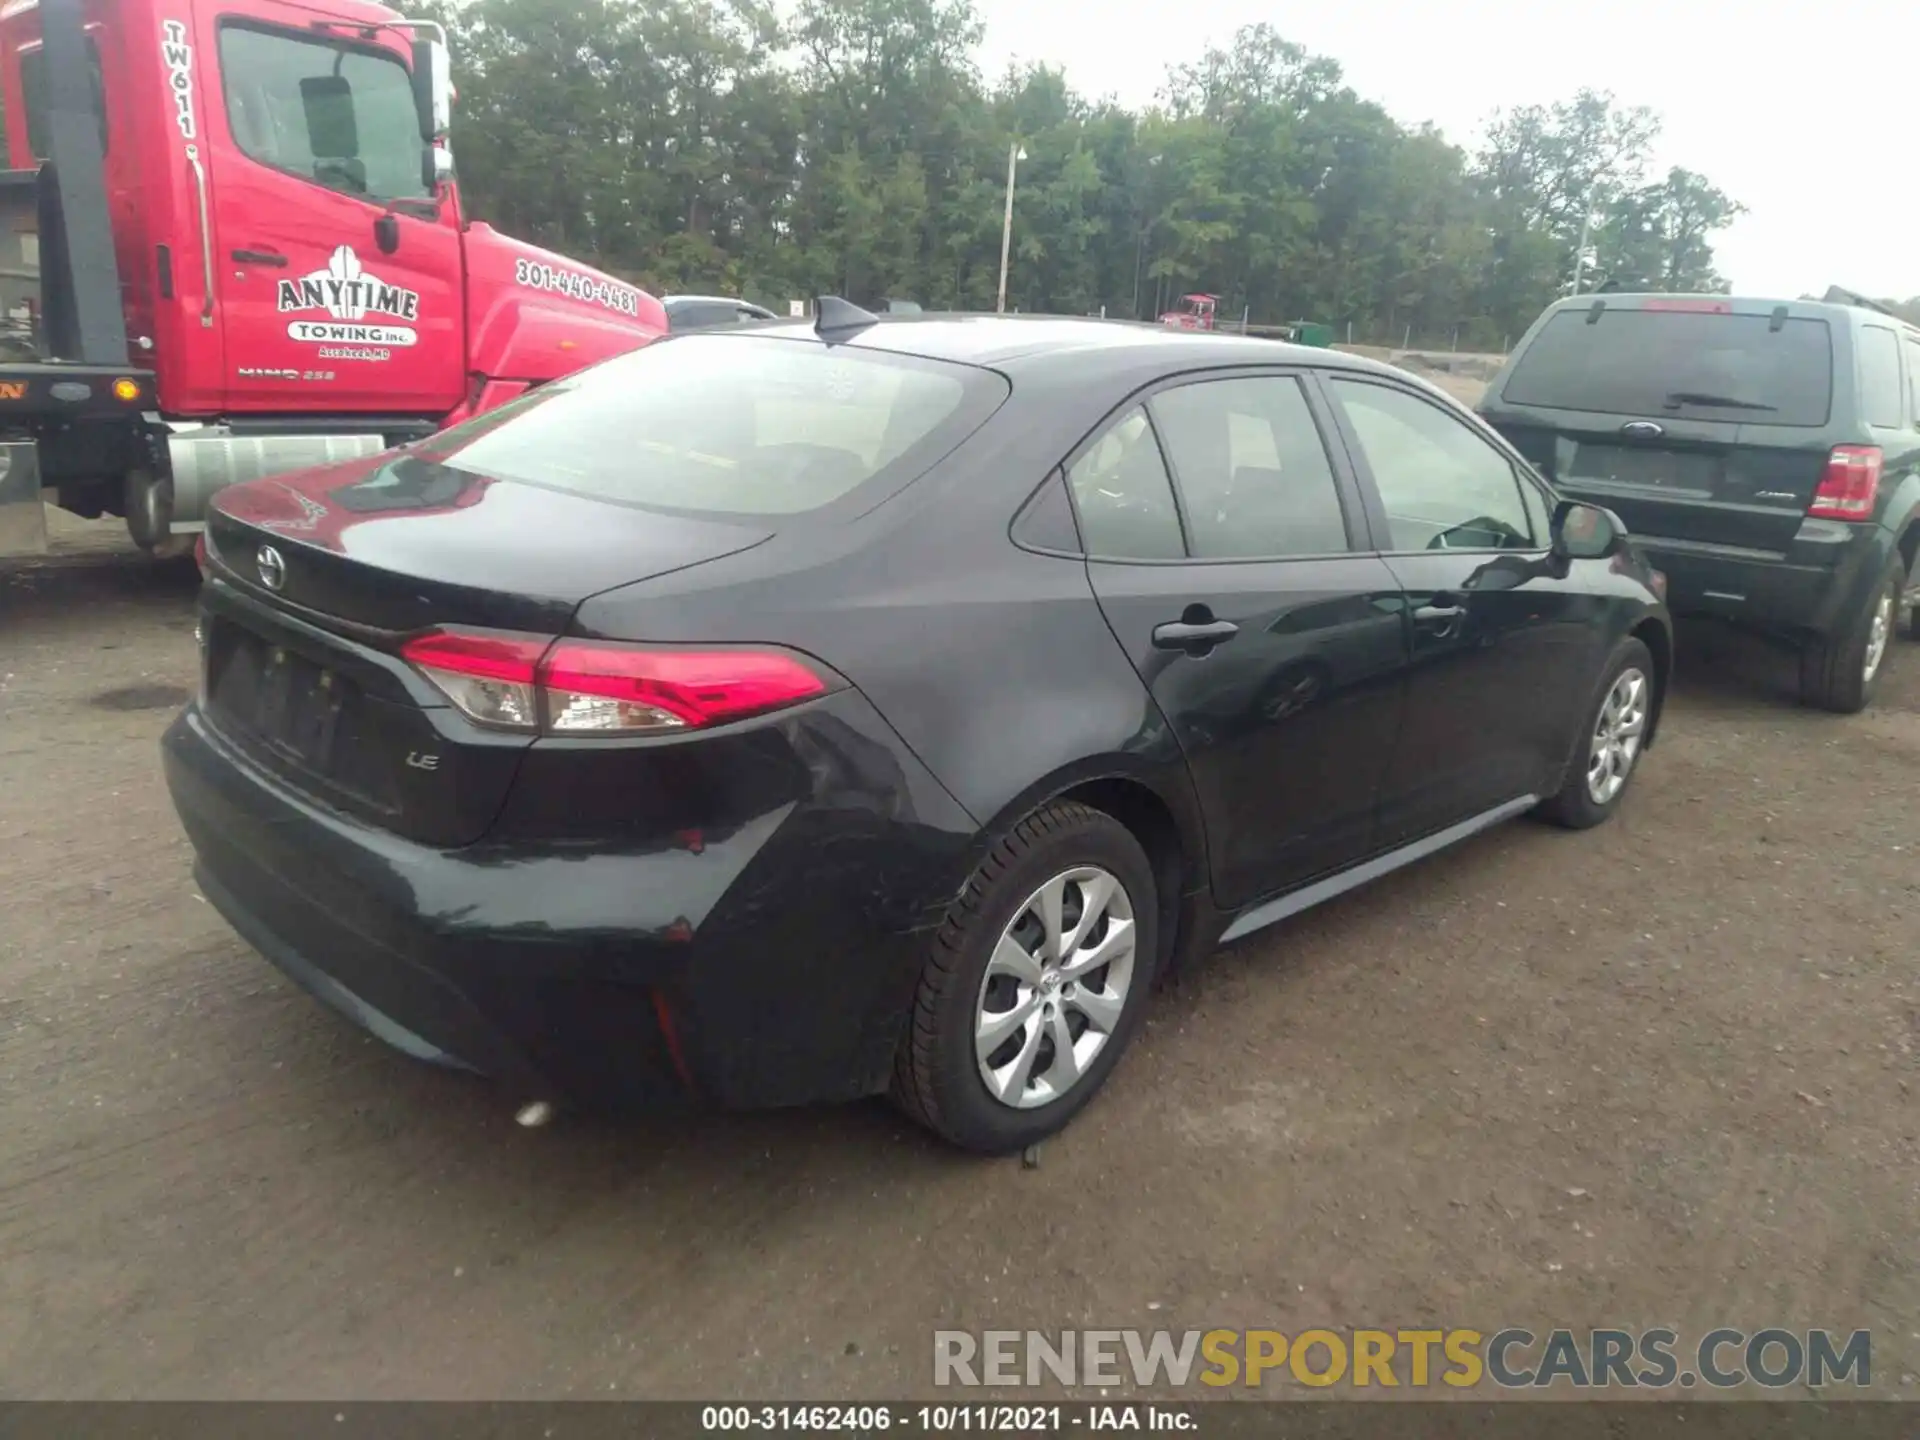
(1584, 532)
(433, 88)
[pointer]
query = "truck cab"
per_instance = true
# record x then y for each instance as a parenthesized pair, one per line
(249, 207)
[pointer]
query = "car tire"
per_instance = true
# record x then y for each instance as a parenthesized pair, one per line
(1618, 716)
(954, 1043)
(1840, 672)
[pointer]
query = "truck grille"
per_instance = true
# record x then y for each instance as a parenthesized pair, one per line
(299, 718)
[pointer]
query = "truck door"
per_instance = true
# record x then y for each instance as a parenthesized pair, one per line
(340, 278)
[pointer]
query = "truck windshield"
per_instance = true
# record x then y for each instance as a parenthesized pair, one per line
(729, 424)
(335, 114)
(1700, 364)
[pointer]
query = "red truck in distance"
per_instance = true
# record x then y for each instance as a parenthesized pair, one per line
(1194, 312)
(232, 245)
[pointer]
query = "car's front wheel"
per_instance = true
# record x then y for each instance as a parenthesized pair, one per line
(1034, 983)
(1612, 736)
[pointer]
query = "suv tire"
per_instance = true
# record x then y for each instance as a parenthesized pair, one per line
(941, 1073)
(1840, 672)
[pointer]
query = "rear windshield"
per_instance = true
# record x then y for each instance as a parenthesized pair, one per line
(729, 424)
(1677, 362)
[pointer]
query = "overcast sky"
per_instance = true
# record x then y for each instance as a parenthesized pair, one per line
(1769, 101)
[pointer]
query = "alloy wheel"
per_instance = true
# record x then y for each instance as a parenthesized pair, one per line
(1617, 733)
(1879, 631)
(1055, 988)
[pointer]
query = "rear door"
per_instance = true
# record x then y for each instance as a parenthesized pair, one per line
(1504, 653)
(1691, 420)
(339, 272)
(1226, 552)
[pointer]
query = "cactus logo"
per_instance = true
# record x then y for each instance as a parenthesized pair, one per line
(349, 294)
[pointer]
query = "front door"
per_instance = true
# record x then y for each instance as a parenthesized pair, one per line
(1502, 644)
(339, 275)
(1221, 545)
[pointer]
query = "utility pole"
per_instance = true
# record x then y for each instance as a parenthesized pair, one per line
(1014, 156)
(1580, 254)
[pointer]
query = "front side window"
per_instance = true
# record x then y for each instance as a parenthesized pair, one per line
(1252, 471)
(337, 115)
(1443, 486)
(1123, 496)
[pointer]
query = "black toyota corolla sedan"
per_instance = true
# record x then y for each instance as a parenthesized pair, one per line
(816, 711)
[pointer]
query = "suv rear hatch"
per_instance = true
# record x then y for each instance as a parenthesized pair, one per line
(1691, 420)
(481, 543)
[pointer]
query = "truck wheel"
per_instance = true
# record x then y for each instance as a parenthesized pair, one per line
(1033, 984)
(149, 509)
(1840, 672)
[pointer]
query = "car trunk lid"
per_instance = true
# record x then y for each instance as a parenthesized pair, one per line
(318, 579)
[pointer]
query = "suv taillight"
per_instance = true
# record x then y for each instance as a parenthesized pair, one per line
(1850, 485)
(579, 687)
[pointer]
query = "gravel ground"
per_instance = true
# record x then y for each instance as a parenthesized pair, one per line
(1663, 1072)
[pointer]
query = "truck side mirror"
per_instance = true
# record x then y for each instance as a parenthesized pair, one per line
(433, 88)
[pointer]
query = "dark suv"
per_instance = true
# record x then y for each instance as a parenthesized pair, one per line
(1765, 454)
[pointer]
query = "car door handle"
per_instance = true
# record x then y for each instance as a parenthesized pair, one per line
(1182, 635)
(261, 257)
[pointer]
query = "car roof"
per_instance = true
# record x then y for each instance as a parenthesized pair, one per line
(1027, 342)
(708, 300)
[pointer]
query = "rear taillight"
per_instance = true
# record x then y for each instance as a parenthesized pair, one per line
(578, 687)
(1850, 485)
(200, 553)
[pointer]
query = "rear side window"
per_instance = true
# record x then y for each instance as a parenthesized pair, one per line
(1252, 471)
(1913, 379)
(34, 100)
(730, 424)
(1880, 378)
(1702, 365)
(1123, 496)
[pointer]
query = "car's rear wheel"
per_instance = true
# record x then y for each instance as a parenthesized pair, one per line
(1034, 983)
(1613, 735)
(1840, 672)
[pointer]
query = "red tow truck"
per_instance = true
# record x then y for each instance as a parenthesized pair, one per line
(1194, 312)
(232, 245)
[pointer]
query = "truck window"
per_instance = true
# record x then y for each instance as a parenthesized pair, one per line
(335, 114)
(33, 96)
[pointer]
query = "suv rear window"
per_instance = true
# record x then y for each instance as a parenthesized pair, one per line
(728, 424)
(1679, 362)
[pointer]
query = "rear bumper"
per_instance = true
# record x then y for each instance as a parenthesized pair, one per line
(1814, 588)
(771, 965)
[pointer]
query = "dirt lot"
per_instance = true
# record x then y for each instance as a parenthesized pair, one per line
(1660, 1073)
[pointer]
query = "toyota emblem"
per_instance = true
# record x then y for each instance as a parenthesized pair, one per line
(273, 570)
(1646, 429)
